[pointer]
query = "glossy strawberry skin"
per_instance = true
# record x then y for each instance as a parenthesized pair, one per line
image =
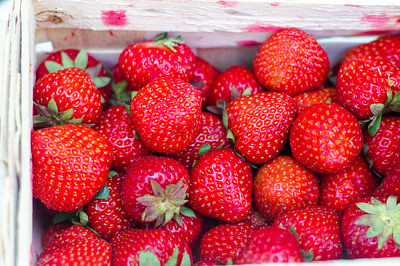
(273, 64)
(221, 185)
(261, 124)
(238, 76)
(340, 189)
(390, 185)
(70, 165)
(70, 88)
(326, 138)
(166, 113)
(318, 231)
(52, 231)
(116, 126)
(305, 99)
(282, 185)
(257, 219)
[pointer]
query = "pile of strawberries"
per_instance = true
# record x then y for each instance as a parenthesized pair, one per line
(166, 160)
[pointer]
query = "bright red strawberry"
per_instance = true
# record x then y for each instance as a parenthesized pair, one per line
(70, 165)
(154, 189)
(66, 96)
(340, 189)
(231, 83)
(260, 124)
(282, 185)
(203, 77)
(224, 241)
(309, 98)
(370, 228)
(220, 186)
(205, 263)
(108, 216)
(212, 133)
(291, 61)
(317, 229)
(390, 185)
(270, 245)
(134, 246)
(116, 126)
(257, 219)
(383, 149)
(52, 231)
(326, 138)
(142, 62)
(166, 114)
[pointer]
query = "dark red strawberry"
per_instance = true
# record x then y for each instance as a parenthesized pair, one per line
(370, 228)
(142, 62)
(166, 114)
(309, 98)
(317, 229)
(220, 186)
(291, 61)
(232, 83)
(52, 231)
(282, 185)
(390, 185)
(260, 124)
(149, 247)
(116, 126)
(340, 189)
(326, 138)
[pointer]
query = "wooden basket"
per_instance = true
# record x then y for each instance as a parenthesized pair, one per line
(223, 32)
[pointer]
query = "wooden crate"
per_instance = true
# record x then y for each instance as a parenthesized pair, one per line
(223, 32)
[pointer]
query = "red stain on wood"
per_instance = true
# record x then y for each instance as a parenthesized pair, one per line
(227, 3)
(275, 4)
(352, 5)
(261, 27)
(246, 43)
(111, 33)
(376, 21)
(114, 18)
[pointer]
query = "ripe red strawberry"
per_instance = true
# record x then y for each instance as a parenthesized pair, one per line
(220, 186)
(326, 138)
(317, 229)
(146, 246)
(78, 58)
(166, 114)
(260, 124)
(154, 189)
(340, 189)
(142, 62)
(205, 263)
(270, 245)
(383, 149)
(70, 165)
(291, 61)
(282, 185)
(67, 96)
(108, 216)
(116, 126)
(390, 185)
(370, 228)
(224, 241)
(309, 98)
(257, 219)
(204, 76)
(212, 133)
(239, 77)
(52, 231)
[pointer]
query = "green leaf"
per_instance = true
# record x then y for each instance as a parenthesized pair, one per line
(147, 258)
(66, 60)
(204, 149)
(133, 94)
(234, 93)
(396, 234)
(230, 135)
(136, 135)
(94, 71)
(101, 81)
(112, 173)
(377, 108)
(83, 218)
(169, 214)
(178, 219)
(103, 193)
(52, 66)
(391, 203)
(246, 92)
(81, 60)
(52, 107)
(229, 262)
(375, 229)
(365, 220)
(128, 109)
(187, 212)
(307, 255)
(368, 208)
(173, 259)
(225, 118)
(63, 216)
(67, 115)
(373, 127)
(185, 259)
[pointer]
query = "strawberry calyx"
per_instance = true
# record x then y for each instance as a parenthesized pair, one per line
(306, 255)
(170, 42)
(228, 262)
(166, 204)
(120, 95)
(147, 257)
(383, 220)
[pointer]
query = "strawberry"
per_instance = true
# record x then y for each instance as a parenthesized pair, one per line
(340, 189)
(205, 263)
(149, 247)
(232, 83)
(326, 138)
(70, 165)
(78, 58)
(220, 186)
(154, 189)
(66, 96)
(260, 124)
(270, 245)
(108, 216)
(166, 114)
(370, 228)
(52, 231)
(116, 126)
(317, 229)
(390, 185)
(224, 241)
(309, 98)
(291, 61)
(383, 149)
(142, 62)
(257, 219)
(282, 185)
